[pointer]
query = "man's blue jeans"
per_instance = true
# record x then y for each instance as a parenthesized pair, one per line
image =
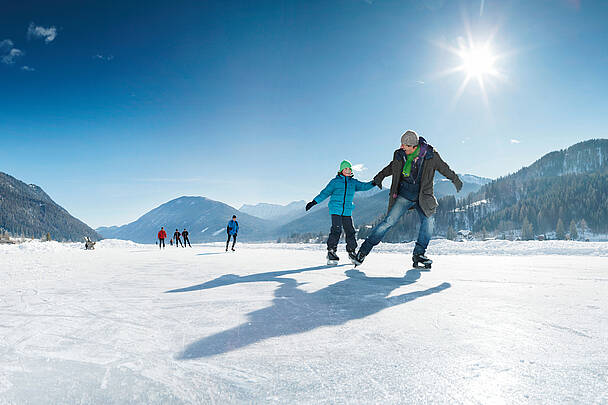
(401, 206)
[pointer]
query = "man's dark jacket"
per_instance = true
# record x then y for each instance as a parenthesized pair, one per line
(431, 162)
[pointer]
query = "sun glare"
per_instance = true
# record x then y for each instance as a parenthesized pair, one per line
(477, 62)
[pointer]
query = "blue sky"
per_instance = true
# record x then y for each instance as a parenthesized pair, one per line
(116, 108)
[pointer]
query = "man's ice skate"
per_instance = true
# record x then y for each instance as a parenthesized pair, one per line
(358, 259)
(353, 257)
(421, 262)
(332, 258)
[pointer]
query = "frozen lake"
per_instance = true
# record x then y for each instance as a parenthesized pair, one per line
(518, 322)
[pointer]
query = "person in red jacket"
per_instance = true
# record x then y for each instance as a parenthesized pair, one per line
(161, 238)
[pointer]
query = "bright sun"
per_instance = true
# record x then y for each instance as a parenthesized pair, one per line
(477, 61)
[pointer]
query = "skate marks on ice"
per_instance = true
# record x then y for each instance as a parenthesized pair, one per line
(295, 311)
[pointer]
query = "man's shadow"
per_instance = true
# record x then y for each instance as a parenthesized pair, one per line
(228, 279)
(296, 311)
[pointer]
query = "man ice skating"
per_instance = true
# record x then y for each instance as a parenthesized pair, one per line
(341, 191)
(232, 229)
(413, 170)
(185, 236)
(161, 238)
(176, 236)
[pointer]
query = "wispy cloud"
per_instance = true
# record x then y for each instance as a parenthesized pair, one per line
(358, 168)
(103, 57)
(8, 53)
(515, 141)
(48, 34)
(27, 68)
(5, 45)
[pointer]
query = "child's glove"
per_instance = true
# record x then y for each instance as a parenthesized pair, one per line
(379, 185)
(310, 205)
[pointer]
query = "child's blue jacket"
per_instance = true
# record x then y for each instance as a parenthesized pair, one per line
(341, 190)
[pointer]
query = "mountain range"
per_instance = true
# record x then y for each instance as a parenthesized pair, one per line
(206, 219)
(569, 185)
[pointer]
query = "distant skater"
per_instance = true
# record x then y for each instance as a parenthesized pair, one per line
(232, 229)
(161, 238)
(185, 236)
(176, 236)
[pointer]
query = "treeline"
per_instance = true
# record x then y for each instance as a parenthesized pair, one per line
(544, 202)
(528, 208)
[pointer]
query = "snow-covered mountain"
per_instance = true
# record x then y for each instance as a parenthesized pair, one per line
(275, 212)
(25, 209)
(584, 157)
(567, 185)
(470, 184)
(205, 220)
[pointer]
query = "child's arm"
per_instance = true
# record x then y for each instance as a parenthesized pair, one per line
(326, 192)
(361, 186)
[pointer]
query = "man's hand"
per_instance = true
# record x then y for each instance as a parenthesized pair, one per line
(379, 184)
(310, 205)
(458, 184)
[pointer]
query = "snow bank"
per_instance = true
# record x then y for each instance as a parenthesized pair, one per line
(117, 244)
(436, 247)
(35, 246)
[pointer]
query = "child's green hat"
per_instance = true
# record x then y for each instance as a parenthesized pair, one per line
(345, 164)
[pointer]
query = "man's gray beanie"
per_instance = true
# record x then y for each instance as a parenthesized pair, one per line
(410, 138)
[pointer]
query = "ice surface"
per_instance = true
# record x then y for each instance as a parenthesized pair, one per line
(501, 322)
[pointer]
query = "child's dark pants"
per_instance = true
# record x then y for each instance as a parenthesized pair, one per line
(337, 223)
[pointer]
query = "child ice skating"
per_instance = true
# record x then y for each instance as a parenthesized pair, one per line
(341, 191)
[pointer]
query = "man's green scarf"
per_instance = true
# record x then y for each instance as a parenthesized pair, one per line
(407, 168)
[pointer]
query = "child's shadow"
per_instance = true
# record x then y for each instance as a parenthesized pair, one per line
(296, 311)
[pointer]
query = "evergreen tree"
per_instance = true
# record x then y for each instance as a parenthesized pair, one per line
(560, 232)
(527, 232)
(583, 227)
(573, 231)
(451, 233)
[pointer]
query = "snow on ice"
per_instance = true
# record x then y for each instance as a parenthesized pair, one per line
(492, 322)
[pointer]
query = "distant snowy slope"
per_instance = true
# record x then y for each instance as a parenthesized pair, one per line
(275, 212)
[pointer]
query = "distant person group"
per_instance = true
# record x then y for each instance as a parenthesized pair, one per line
(181, 238)
(177, 237)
